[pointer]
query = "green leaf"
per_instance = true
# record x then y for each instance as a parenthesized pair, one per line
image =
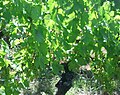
(56, 67)
(39, 36)
(66, 45)
(87, 38)
(8, 90)
(79, 5)
(26, 83)
(27, 7)
(37, 62)
(74, 66)
(70, 10)
(58, 53)
(84, 19)
(2, 63)
(40, 33)
(65, 33)
(81, 49)
(4, 45)
(7, 15)
(81, 61)
(36, 12)
(43, 48)
(73, 35)
(40, 62)
(60, 18)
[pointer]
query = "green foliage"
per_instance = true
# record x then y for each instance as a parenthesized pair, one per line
(45, 33)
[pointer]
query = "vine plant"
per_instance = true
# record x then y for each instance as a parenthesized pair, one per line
(44, 33)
